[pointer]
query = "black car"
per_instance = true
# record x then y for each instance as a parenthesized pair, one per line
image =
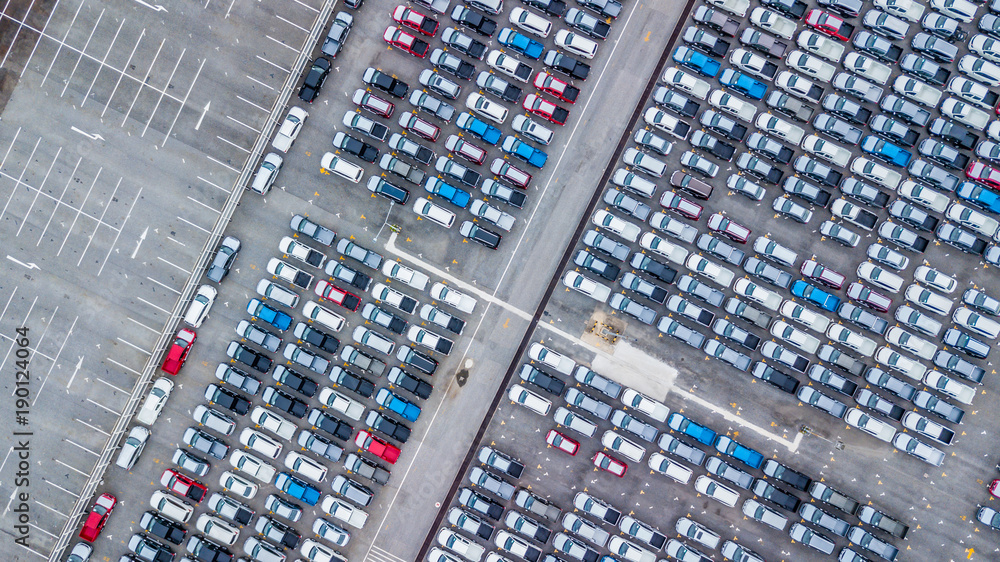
(151, 550)
(828, 378)
(499, 87)
(552, 7)
(161, 527)
(414, 385)
(392, 192)
(227, 399)
(794, 9)
(765, 145)
(848, 8)
(961, 367)
(339, 429)
(712, 145)
(385, 82)
(793, 478)
(887, 408)
(640, 286)
(278, 532)
(205, 550)
(452, 65)
(479, 234)
(770, 375)
(317, 74)
(674, 101)
(661, 271)
(295, 381)
(782, 499)
(731, 331)
(590, 262)
(542, 380)
(351, 145)
(943, 154)
(768, 272)
(463, 43)
(566, 65)
(474, 20)
(417, 360)
(316, 338)
(387, 426)
(384, 318)
(705, 42)
(927, 401)
(817, 170)
(953, 133)
(284, 402)
(924, 69)
(865, 193)
(846, 108)
(201, 441)
(837, 129)
(806, 191)
(970, 345)
(355, 383)
(719, 122)
(912, 215)
(248, 357)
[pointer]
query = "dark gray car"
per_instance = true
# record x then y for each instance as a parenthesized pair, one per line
(225, 255)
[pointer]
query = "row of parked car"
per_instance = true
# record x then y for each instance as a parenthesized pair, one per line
(637, 424)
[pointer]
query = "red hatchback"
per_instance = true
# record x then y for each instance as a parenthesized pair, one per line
(995, 488)
(179, 350)
(868, 297)
(815, 270)
(399, 38)
(558, 88)
(829, 24)
(377, 447)
(415, 20)
(180, 484)
(544, 108)
(98, 517)
(734, 230)
(561, 442)
(981, 172)
(609, 464)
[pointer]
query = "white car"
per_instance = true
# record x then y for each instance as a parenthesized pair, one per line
(530, 22)
(216, 528)
(938, 381)
(529, 400)
(623, 446)
(827, 150)
(576, 44)
(697, 532)
(662, 247)
(344, 511)
(799, 313)
(722, 494)
(962, 10)
(621, 227)
(732, 105)
(272, 422)
(788, 333)
(912, 446)
(925, 298)
(771, 21)
(830, 49)
(577, 282)
(434, 213)
(876, 172)
(898, 362)
(748, 62)
(780, 128)
(666, 123)
(867, 66)
(488, 212)
(317, 552)
(965, 113)
(488, 109)
(238, 485)
(842, 334)
(797, 85)
(811, 65)
(305, 466)
(917, 90)
(747, 288)
(923, 195)
(911, 343)
(934, 278)
(155, 401)
(546, 356)
(652, 408)
(985, 46)
(976, 322)
(257, 441)
(735, 7)
(266, 174)
(453, 298)
(876, 428)
(341, 403)
(909, 10)
(629, 550)
(202, 302)
(667, 467)
(686, 83)
(502, 62)
(973, 219)
(404, 274)
(462, 546)
(170, 506)
(880, 277)
(970, 91)
(289, 129)
(707, 268)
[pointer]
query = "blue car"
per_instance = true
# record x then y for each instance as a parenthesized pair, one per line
(743, 83)
(453, 195)
(696, 61)
(278, 319)
(468, 122)
(391, 401)
(821, 298)
(744, 454)
(885, 150)
(297, 488)
(524, 45)
(524, 151)
(979, 195)
(678, 422)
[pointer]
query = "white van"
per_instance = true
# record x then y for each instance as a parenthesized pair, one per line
(323, 315)
(667, 467)
(132, 447)
(155, 400)
(202, 302)
(171, 507)
(347, 170)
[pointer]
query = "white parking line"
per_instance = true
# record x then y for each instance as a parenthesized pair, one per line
(155, 331)
(176, 241)
(53, 510)
(221, 163)
(82, 447)
(61, 41)
(103, 406)
(124, 366)
(238, 122)
(219, 187)
(100, 221)
(145, 81)
(36, 526)
(203, 204)
(119, 389)
(5, 457)
(165, 311)
(122, 73)
(83, 50)
(120, 229)
(58, 487)
(55, 359)
(38, 192)
(79, 211)
(165, 286)
(279, 42)
(103, 62)
(291, 23)
(97, 429)
(306, 6)
(18, 182)
(74, 469)
(163, 92)
(232, 144)
(183, 102)
(59, 201)
(182, 219)
(29, 549)
(792, 446)
(173, 264)
(248, 102)
(133, 346)
(269, 87)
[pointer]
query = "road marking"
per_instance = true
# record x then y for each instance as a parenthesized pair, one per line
(122, 390)
(90, 136)
(202, 117)
(83, 50)
(100, 222)
(52, 509)
(74, 469)
(124, 366)
(183, 103)
(92, 427)
(18, 182)
(106, 408)
(30, 266)
(39, 191)
(220, 188)
(128, 215)
(76, 370)
(45, 556)
(60, 488)
(173, 264)
(79, 211)
(156, 8)
(382, 555)
(5, 460)
(36, 526)
(59, 201)
(82, 447)
(132, 345)
(216, 211)
(182, 219)
(157, 332)
(122, 73)
(162, 92)
(142, 237)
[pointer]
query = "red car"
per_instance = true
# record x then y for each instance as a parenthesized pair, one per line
(419, 127)
(995, 488)
(550, 111)
(178, 353)
(180, 484)
(514, 175)
(465, 149)
(829, 24)
(373, 103)
(399, 38)
(561, 442)
(415, 20)
(98, 517)
(986, 174)
(609, 464)
(815, 270)
(733, 230)
(335, 294)
(673, 202)
(558, 88)
(868, 297)
(377, 447)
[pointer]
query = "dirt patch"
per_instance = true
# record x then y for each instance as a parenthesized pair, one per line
(17, 41)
